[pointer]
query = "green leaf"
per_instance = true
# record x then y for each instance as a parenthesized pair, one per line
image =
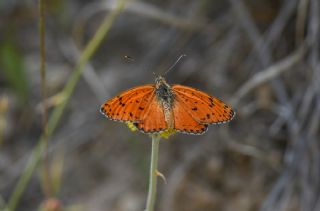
(12, 65)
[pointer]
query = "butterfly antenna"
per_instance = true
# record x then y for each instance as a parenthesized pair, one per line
(174, 64)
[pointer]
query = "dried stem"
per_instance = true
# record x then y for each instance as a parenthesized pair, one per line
(42, 30)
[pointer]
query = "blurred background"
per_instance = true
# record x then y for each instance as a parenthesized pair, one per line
(260, 56)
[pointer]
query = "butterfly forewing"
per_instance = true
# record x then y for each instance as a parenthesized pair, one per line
(129, 105)
(202, 107)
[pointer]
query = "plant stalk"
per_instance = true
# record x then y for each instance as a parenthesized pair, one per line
(45, 164)
(153, 173)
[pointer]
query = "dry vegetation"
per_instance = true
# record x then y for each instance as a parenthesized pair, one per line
(261, 56)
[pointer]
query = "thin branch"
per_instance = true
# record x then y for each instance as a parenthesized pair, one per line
(301, 20)
(268, 74)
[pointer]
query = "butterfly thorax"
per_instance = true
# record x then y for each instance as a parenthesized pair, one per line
(166, 98)
(163, 90)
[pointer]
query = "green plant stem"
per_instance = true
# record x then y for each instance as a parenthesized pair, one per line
(153, 173)
(58, 111)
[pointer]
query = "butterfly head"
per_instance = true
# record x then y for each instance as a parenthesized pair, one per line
(160, 81)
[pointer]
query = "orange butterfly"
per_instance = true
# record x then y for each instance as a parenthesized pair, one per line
(158, 107)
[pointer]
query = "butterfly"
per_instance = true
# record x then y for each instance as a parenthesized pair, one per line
(154, 108)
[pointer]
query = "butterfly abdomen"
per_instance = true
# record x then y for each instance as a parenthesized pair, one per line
(165, 98)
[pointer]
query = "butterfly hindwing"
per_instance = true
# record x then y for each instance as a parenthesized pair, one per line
(129, 105)
(202, 107)
(152, 119)
(184, 122)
